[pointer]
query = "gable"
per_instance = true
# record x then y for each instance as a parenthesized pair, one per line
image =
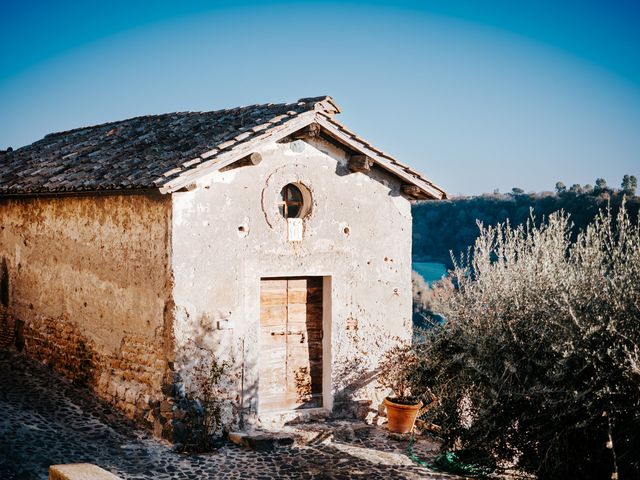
(363, 156)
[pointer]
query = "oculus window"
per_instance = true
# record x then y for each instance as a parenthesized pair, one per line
(294, 201)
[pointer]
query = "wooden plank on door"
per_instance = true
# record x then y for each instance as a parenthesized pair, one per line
(304, 358)
(273, 291)
(273, 348)
(290, 343)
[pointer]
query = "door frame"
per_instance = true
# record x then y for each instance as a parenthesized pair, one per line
(327, 335)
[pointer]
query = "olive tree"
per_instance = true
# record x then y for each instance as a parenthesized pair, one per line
(538, 364)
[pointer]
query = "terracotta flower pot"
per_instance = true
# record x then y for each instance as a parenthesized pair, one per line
(400, 418)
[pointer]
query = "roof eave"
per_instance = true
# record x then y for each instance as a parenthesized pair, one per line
(388, 163)
(85, 192)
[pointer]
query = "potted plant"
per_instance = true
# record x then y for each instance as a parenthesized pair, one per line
(397, 372)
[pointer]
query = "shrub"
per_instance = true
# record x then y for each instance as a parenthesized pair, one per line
(538, 364)
(197, 421)
(397, 372)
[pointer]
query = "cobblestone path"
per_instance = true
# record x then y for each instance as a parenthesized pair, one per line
(46, 420)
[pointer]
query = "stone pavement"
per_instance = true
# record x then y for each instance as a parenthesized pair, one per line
(46, 420)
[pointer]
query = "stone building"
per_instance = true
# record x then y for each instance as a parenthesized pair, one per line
(258, 257)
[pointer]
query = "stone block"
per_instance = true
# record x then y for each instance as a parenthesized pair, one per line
(112, 387)
(120, 391)
(130, 410)
(131, 395)
(141, 404)
(145, 378)
(80, 471)
(103, 381)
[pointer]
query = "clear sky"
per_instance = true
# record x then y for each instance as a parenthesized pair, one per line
(476, 94)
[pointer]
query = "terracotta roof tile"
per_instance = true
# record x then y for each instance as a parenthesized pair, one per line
(140, 152)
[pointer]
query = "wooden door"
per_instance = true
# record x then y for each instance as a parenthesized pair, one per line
(290, 343)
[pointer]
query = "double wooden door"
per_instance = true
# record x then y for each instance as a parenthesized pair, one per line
(290, 343)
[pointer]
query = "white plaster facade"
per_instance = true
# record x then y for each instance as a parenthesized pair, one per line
(227, 234)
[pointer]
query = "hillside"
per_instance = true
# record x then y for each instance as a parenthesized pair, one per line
(451, 225)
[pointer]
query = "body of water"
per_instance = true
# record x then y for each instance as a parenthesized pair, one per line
(431, 272)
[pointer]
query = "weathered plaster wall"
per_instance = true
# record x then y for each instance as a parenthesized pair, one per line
(227, 234)
(90, 286)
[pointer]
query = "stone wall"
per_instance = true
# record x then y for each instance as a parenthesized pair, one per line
(60, 345)
(89, 285)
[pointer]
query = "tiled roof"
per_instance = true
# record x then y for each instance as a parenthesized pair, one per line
(168, 151)
(141, 152)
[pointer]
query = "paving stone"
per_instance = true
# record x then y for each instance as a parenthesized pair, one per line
(47, 421)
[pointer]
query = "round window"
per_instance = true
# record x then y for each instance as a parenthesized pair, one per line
(294, 201)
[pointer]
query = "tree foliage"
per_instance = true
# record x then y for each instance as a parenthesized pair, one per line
(601, 186)
(629, 184)
(538, 364)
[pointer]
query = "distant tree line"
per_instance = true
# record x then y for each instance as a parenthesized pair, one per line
(451, 225)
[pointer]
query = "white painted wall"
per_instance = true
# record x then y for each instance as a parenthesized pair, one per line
(228, 233)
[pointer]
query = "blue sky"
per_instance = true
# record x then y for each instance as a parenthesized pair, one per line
(476, 94)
